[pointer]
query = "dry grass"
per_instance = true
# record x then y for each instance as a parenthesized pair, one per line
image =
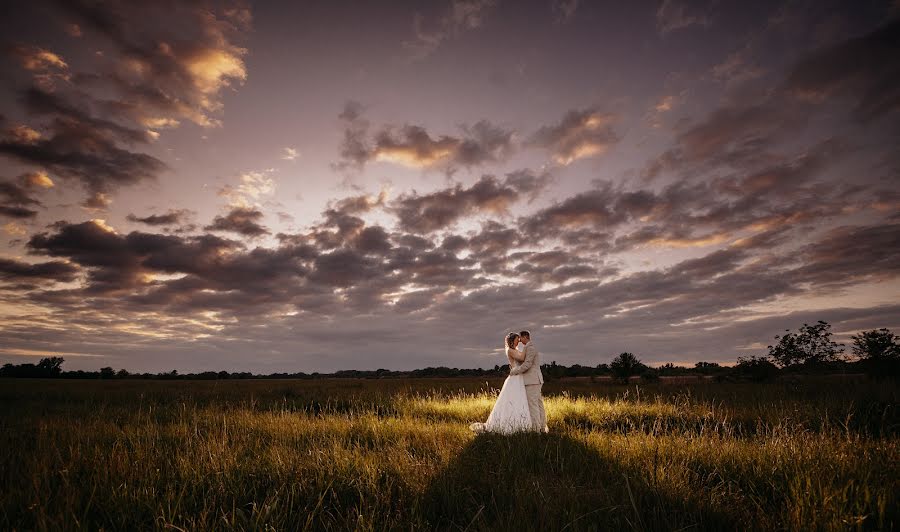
(376, 455)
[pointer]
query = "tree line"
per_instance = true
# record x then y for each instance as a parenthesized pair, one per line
(809, 350)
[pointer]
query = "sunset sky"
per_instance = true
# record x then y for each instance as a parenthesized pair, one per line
(314, 186)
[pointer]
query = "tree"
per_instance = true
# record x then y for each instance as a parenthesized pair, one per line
(811, 345)
(879, 352)
(624, 366)
(650, 375)
(880, 344)
(706, 368)
(50, 367)
(107, 373)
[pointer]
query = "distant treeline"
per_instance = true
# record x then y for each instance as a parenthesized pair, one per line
(809, 351)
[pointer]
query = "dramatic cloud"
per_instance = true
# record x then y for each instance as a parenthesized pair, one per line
(154, 78)
(36, 58)
(239, 220)
(431, 212)
(162, 77)
(414, 147)
(16, 200)
(46, 67)
(848, 254)
(732, 177)
(54, 271)
(79, 146)
(579, 134)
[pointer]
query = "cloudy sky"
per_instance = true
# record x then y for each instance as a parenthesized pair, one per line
(312, 186)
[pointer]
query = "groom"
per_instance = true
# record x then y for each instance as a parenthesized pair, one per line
(530, 370)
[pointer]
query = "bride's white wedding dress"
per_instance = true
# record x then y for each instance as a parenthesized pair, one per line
(510, 413)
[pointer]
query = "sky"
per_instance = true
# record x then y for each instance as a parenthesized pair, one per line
(325, 185)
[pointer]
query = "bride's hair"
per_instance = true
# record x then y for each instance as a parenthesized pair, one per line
(510, 338)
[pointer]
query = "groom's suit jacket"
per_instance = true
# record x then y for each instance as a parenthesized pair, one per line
(530, 369)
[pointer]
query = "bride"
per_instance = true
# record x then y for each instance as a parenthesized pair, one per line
(510, 412)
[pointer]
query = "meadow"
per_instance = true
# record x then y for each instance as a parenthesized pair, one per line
(818, 453)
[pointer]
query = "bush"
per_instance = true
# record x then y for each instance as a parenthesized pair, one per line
(757, 369)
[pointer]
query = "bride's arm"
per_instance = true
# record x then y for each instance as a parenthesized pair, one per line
(515, 354)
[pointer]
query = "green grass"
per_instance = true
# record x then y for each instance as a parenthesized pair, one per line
(821, 453)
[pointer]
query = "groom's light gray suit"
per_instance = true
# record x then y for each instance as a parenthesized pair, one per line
(530, 370)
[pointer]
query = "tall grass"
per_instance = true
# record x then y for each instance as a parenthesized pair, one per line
(377, 455)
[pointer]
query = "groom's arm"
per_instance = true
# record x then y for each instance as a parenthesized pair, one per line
(530, 355)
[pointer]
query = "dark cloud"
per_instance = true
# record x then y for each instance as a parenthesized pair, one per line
(413, 146)
(344, 268)
(847, 255)
(151, 79)
(430, 212)
(16, 200)
(555, 267)
(373, 273)
(579, 134)
(359, 204)
(736, 136)
(54, 271)
(866, 69)
(46, 67)
(77, 150)
(354, 148)
(241, 220)
(373, 239)
(39, 102)
(594, 208)
(170, 218)
(787, 193)
(167, 72)
(96, 246)
(17, 212)
(121, 264)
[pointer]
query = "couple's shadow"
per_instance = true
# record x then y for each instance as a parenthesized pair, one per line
(552, 482)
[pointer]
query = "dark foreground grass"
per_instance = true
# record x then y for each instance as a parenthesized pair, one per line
(393, 454)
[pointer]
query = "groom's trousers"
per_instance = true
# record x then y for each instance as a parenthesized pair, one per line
(536, 406)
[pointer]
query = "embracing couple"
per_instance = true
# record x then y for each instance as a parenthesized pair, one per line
(519, 406)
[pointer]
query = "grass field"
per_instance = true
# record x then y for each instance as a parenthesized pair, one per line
(820, 453)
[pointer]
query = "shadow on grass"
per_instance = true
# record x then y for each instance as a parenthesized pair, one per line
(554, 482)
